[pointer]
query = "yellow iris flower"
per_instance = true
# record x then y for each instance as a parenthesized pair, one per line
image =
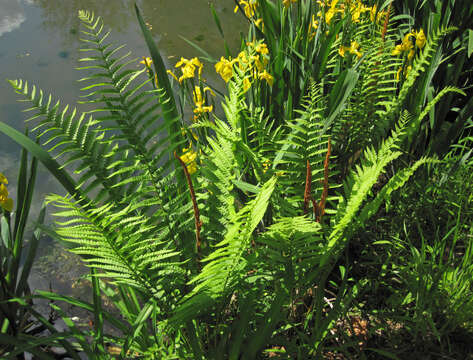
(225, 68)
(189, 157)
(5, 202)
(259, 22)
(405, 73)
(330, 13)
(188, 68)
(147, 61)
(262, 49)
(266, 76)
(356, 9)
(381, 14)
(242, 60)
(407, 45)
(249, 7)
(253, 60)
(420, 38)
(352, 49)
(246, 84)
(199, 100)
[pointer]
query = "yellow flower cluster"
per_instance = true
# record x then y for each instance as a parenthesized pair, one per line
(352, 49)
(225, 68)
(5, 202)
(188, 67)
(199, 100)
(249, 7)
(266, 165)
(332, 10)
(253, 59)
(407, 46)
(377, 18)
(189, 158)
(405, 72)
(355, 7)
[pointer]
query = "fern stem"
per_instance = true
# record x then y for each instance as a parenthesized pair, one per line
(386, 22)
(308, 183)
(323, 199)
(198, 222)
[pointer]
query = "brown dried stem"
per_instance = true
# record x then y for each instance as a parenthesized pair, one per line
(198, 223)
(386, 22)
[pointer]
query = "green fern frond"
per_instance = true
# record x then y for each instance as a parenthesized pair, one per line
(225, 266)
(305, 142)
(290, 249)
(395, 183)
(78, 140)
(415, 125)
(358, 125)
(128, 111)
(123, 248)
(363, 178)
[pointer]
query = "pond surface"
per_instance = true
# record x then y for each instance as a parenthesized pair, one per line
(39, 41)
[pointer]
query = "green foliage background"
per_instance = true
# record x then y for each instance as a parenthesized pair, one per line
(329, 212)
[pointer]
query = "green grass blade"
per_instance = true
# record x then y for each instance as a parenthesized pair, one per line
(22, 183)
(23, 282)
(24, 212)
(339, 94)
(81, 304)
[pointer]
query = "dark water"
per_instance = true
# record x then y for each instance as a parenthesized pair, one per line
(39, 41)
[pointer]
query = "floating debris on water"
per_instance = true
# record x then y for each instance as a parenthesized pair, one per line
(63, 54)
(19, 56)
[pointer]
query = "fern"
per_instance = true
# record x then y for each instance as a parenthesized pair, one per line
(225, 266)
(360, 123)
(290, 249)
(305, 143)
(121, 246)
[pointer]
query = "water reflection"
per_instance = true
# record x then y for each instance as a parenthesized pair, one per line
(11, 15)
(169, 19)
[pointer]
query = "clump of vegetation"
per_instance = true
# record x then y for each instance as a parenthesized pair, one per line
(277, 228)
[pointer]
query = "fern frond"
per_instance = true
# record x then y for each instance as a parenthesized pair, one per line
(395, 183)
(415, 125)
(121, 247)
(290, 249)
(78, 140)
(128, 111)
(225, 266)
(306, 142)
(359, 186)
